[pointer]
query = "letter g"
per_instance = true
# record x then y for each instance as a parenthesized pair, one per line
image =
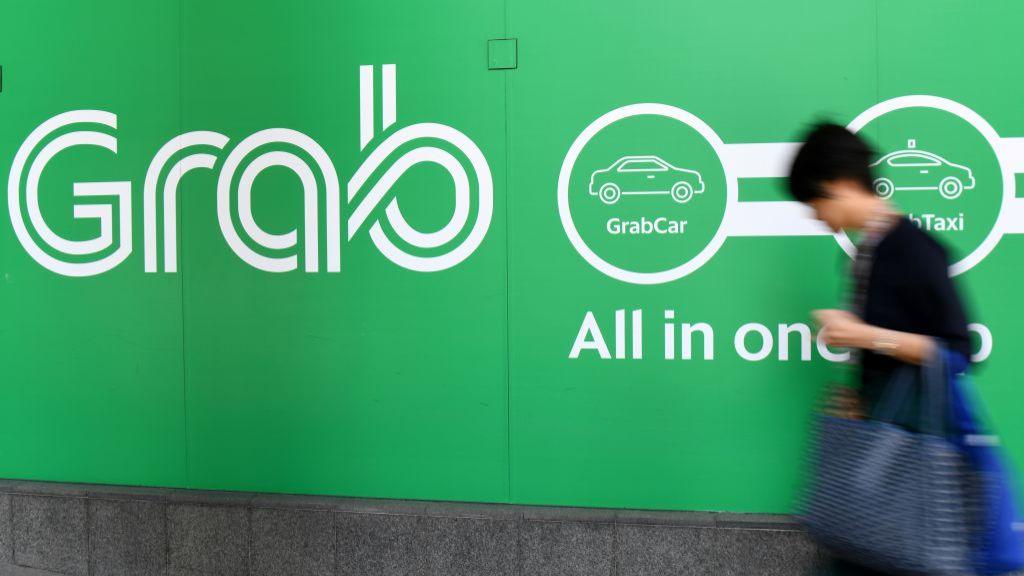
(104, 213)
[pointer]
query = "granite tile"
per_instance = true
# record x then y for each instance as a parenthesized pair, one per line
(128, 537)
(59, 489)
(666, 517)
(567, 548)
(51, 533)
(15, 570)
(109, 492)
(563, 514)
(208, 540)
(209, 497)
(380, 545)
(292, 542)
(757, 521)
(765, 552)
(470, 546)
(659, 550)
(383, 506)
(297, 502)
(8, 485)
(474, 510)
(6, 541)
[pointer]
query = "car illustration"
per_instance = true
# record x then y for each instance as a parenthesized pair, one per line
(649, 175)
(914, 169)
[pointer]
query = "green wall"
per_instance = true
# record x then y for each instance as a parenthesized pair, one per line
(440, 364)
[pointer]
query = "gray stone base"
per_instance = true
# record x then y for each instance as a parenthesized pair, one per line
(87, 530)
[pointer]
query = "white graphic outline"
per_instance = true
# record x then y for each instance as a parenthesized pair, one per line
(310, 191)
(772, 160)
(628, 111)
(422, 154)
(924, 161)
(188, 163)
(1011, 211)
(682, 189)
(102, 212)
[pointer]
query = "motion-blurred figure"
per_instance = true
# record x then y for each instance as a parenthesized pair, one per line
(903, 305)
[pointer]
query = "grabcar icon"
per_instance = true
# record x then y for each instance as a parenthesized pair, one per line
(646, 175)
(914, 169)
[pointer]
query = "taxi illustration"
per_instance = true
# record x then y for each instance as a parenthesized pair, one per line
(647, 175)
(914, 169)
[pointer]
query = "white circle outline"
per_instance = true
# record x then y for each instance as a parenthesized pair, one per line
(979, 124)
(602, 122)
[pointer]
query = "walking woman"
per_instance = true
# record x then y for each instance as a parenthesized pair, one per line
(903, 297)
(903, 305)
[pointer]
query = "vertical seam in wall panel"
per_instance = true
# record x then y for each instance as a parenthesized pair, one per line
(14, 535)
(167, 537)
(520, 521)
(10, 523)
(508, 272)
(248, 540)
(88, 537)
(615, 549)
(878, 55)
(334, 541)
(181, 240)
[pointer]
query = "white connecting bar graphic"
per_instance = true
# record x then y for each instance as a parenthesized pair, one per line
(771, 218)
(1011, 156)
(775, 218)
(789, 218)
(763, 160)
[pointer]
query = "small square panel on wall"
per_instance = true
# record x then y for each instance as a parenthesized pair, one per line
(502, 54)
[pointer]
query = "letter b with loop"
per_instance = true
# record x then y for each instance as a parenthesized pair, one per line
(391, 159)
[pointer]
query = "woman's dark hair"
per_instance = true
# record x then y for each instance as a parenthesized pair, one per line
(830, 152)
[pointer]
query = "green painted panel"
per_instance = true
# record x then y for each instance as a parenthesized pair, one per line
(961, 52)
(722, 433)
(375, 380)
(361, 262)
(92, 367)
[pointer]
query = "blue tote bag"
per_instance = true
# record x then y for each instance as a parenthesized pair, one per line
(998, 539)
(892, 497)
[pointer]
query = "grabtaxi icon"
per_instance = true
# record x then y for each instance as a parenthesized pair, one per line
(914, 169)
(971, 199)
(368, 188)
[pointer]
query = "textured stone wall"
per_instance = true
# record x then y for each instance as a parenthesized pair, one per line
(87, 530)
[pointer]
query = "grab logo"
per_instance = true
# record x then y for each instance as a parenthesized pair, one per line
(387, 159)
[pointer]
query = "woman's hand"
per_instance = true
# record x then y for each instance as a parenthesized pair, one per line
(842, 328)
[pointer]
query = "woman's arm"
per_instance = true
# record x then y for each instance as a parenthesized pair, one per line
(841, 328)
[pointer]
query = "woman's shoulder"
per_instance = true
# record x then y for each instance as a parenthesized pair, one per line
(911, 246)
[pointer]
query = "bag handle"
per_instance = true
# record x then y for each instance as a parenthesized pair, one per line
(894, 396)
(932, 414)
